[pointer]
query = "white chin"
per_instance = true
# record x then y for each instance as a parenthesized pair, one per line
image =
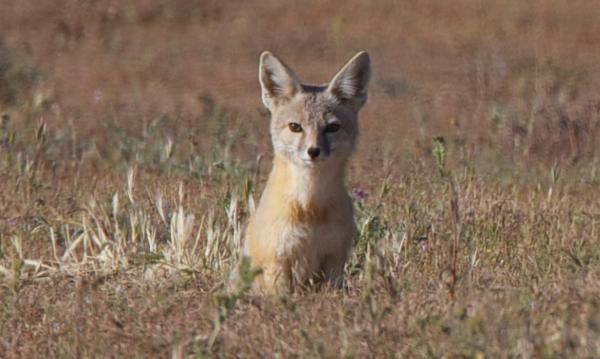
(311, 163)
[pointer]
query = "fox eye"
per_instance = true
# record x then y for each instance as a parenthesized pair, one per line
(295, 127)
(332, 127)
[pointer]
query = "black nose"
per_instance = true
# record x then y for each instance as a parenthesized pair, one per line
(313, 152)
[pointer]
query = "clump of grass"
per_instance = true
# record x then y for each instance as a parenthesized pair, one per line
(225, 302)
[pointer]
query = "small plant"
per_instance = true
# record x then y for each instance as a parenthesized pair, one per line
(242, 280)
(439, 154)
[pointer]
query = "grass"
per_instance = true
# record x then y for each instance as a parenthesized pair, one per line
(133, 147)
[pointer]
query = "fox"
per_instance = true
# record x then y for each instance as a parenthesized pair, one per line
(302, 230)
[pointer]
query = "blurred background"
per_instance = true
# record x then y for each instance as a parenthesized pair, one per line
(503, 83)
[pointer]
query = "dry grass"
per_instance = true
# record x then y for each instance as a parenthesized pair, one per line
(133, 146)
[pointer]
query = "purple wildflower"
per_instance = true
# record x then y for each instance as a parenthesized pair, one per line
(360, 193)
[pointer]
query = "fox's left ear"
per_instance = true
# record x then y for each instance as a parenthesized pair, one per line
(349, 85)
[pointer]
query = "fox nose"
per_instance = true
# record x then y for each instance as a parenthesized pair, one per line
(313, 152)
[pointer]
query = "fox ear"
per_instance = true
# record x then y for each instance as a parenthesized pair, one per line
(277, 81)
(349, 85)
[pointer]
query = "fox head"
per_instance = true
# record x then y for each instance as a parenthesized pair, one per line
(314, 125)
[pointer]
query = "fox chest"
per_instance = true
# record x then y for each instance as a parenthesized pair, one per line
(296, 231)
(293, 238)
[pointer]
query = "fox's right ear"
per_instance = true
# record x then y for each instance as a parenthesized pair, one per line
(277, 81)
(349, 85)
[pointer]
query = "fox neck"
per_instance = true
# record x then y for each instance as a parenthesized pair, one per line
(308, 186)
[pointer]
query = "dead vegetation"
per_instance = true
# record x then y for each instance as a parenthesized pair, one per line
(131, 147)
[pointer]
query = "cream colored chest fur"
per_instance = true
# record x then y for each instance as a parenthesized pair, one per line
(300, 242)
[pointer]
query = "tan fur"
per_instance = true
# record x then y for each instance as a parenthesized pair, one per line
(302, 229)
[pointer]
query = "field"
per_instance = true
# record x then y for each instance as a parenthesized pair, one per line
(133, 146)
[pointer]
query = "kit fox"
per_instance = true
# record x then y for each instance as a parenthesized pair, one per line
(302, 230)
